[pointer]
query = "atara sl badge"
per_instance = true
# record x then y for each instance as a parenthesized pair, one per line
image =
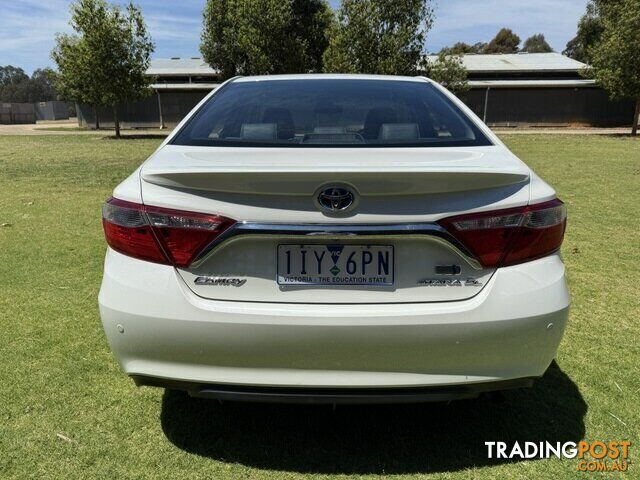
(450, 282)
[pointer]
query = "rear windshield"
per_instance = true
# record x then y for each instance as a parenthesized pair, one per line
(330, 112)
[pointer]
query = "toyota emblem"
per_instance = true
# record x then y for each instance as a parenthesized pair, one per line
(335, 199)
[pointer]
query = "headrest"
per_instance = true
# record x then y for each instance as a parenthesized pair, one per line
(259, 131)
(330, 130)
(399, 131)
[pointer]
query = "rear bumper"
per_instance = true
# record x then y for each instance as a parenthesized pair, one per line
(333, 396)
(159, 330)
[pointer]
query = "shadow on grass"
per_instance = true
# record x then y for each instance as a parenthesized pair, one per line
(621, 135)
(390, 439)
(136, 136)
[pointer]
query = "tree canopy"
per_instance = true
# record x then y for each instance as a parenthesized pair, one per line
(104, 62)
(379, 36)
(505, 41)
(312, 23)
(462, 48)
(11, 75)
(449, 71)
(588, 34)
(12, 83)
(615, 57)
(17, 86)
(536, 44)
(253, 37)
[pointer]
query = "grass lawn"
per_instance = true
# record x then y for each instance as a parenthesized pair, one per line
(66, 410)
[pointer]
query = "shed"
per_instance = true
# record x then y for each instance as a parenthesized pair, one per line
(524, 89)
(539, 89)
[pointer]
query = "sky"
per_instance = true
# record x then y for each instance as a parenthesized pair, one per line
(28, 27)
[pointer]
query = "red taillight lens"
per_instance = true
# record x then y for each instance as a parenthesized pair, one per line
(511, 236)
(183, 235)
(127, 231)
(160, 235)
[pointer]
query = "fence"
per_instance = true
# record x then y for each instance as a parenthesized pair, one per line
(14, 113)
(53, 110)
(162, 109)
(498, 106)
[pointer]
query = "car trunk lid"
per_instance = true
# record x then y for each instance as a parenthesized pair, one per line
(277, 171)
(271, 193)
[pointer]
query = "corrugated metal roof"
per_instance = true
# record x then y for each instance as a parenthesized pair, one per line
(553, 83)
(328, 76)
(517, 62)
(185, 86)
(520, 62)
(176, 66)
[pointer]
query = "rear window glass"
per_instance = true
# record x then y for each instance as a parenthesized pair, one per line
(330, 113)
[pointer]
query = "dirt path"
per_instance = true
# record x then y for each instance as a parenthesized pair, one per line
(70, 127)
(562, 131)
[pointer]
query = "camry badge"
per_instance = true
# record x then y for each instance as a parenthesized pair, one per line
(220, 281)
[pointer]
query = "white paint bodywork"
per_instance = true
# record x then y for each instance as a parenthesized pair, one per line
(262, 334)
(169, 332)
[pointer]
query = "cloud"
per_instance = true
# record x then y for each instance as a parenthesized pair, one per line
(471, 22)
(27, 30)
(28, 27)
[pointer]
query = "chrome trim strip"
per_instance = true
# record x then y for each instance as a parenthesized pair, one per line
(431, 230)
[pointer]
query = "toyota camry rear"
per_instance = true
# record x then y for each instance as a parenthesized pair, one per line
(333, 238)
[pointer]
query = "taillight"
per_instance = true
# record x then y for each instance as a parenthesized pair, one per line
(160, 235)
(511, 236)
(127, 231)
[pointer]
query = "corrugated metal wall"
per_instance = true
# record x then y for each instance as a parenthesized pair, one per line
(15, 113)
(53, 110)
(146, 113)
(505, 107)
(549, 106)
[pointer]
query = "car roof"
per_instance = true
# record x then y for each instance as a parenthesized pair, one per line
(329, 76)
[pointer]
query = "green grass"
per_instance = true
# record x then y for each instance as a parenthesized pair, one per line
(57, 375)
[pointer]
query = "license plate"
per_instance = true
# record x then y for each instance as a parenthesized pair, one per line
(335, 264)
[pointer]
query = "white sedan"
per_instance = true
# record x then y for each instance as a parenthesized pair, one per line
(333, 238)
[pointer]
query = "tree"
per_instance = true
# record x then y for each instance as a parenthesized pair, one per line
(449, 71)
(244, 37)
(11, 75)
(588, 34)
(16, 86)
(379, 36)
(42, 85)
(536, 44)
(105, 62)
(312, 22)
(505, 41)
(77, 82)
(11, 82)
(462, 48)
(252, 37)
(615, 58)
